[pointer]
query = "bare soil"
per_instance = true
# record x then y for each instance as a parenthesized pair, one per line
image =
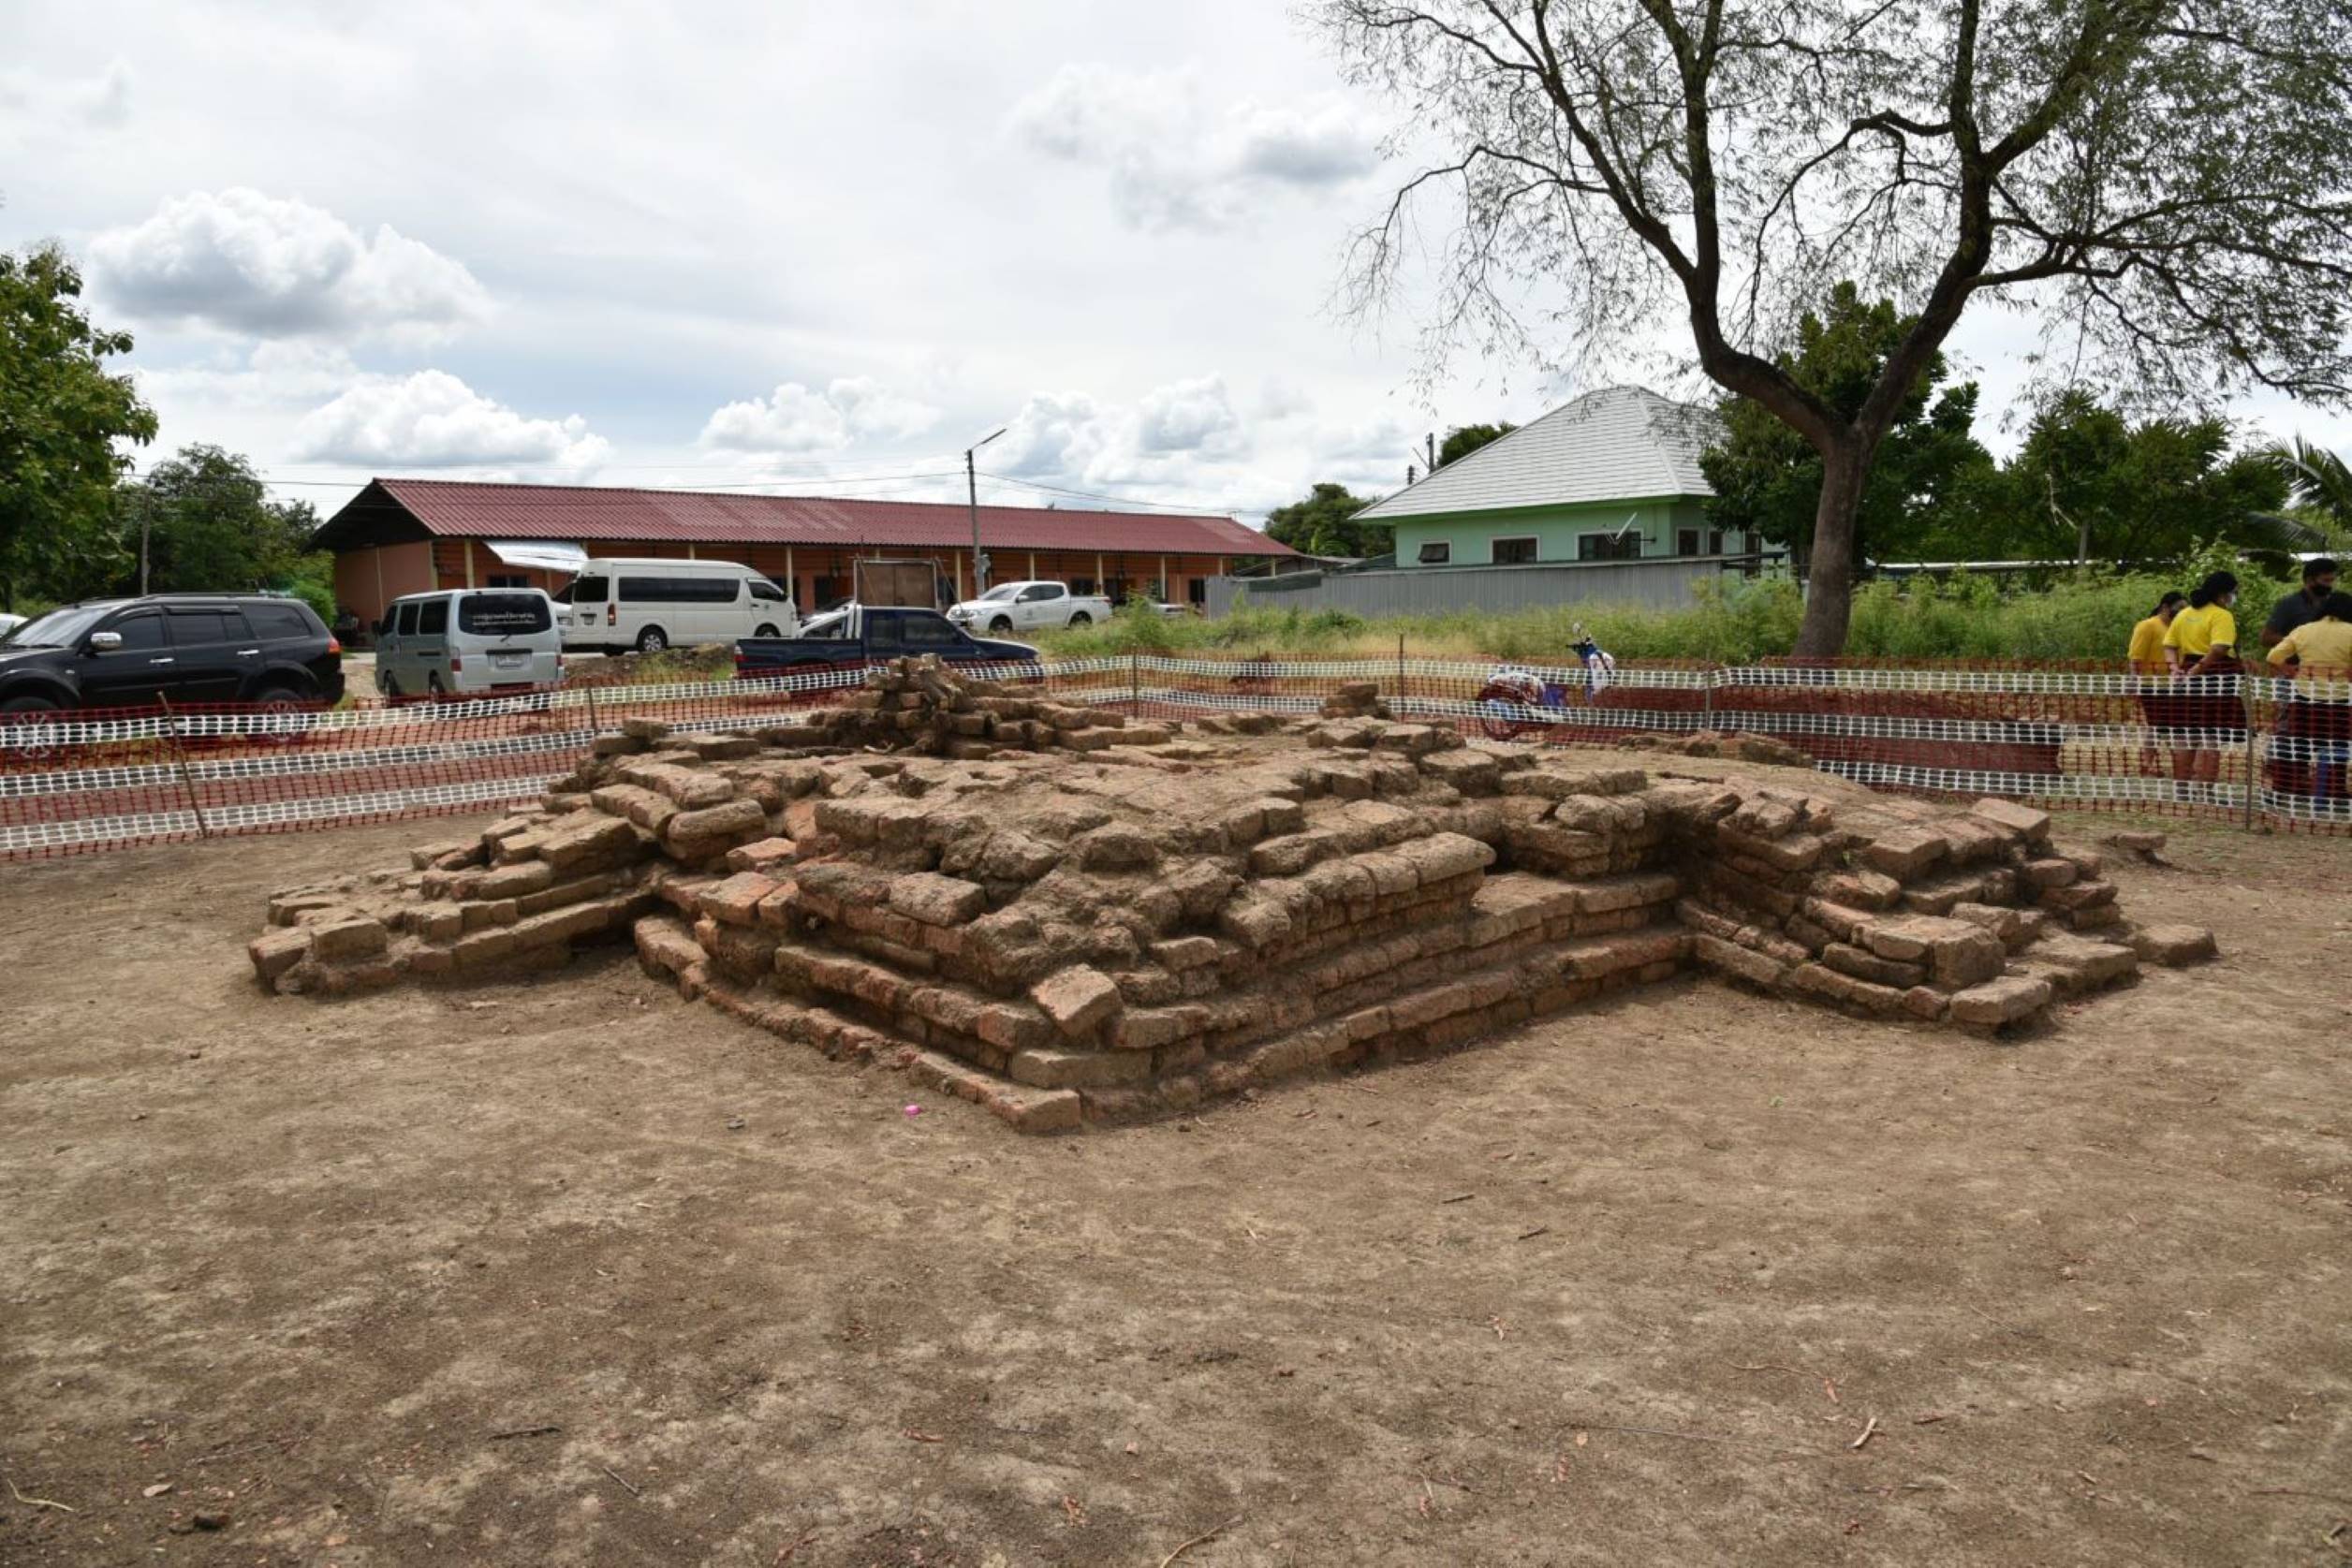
(572, 1273)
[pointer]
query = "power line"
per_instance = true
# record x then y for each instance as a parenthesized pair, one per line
(1194, 508)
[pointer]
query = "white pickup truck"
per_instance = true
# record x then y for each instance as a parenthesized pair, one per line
(1029, 607)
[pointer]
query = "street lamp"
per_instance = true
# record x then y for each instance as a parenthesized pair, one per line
(972, 489)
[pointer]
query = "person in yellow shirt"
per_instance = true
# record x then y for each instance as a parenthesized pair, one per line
(2202, 643)
(2147, 639)
(2148, 662)
(2315, 729)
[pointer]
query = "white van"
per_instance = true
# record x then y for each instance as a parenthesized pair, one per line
(614, 605)
(468, 642)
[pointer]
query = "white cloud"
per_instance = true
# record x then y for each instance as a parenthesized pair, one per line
(1183, 434)
(1175, 160)
(432, 419)
(1196, 417)
(795, 418)
(270, 267)
(33, 102)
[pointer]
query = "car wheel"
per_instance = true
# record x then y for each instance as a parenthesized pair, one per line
(1080, 618)
(24, 729)
(277, 702)
(652, 640)
(1000, 625)
(769, 632)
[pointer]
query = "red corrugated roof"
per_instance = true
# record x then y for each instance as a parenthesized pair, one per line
(496, 512)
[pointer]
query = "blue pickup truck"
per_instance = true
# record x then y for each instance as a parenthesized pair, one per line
(854, 637)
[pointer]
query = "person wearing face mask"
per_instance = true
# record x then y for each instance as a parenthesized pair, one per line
(2202, 643)
(2299, 609)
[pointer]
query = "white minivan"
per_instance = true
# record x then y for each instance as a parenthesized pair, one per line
(649, 605)
(468, 642)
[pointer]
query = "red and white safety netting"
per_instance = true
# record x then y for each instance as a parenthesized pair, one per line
(2235, 747)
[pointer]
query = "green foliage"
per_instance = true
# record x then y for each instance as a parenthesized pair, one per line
(2318, 487)
(1324, 524)
(1462, 440)
(2143, 491)
(1738, 620)
(61, 416)
(212, 528)
(1767, 479)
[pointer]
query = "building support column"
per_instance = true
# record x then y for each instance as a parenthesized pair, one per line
(469, 562)
(791, 582)
(1033, 565)
(1163, 579)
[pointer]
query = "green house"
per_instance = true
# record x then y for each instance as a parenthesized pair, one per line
(1611, 476)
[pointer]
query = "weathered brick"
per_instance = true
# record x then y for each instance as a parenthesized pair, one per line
(1741, 963)
(702, 831)
(2000, 1002)
(2017, 821)
(938, 901)
(1080, 1000)
(1865, 965)
(340, 941)
(1903, 853)
(1822, 980)
(274, 952)
(2175, 946)
(736, 899)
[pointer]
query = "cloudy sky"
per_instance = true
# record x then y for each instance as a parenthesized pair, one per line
(815, 247)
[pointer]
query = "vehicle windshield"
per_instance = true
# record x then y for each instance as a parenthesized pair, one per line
(59, 628)
(503, 614)
(998, 595)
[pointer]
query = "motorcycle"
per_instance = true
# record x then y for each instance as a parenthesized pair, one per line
(1515, 700)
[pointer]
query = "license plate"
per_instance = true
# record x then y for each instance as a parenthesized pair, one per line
(509, 661)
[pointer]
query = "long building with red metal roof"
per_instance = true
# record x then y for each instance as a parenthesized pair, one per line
(410, 536)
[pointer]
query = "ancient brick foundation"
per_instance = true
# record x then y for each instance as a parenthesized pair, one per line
(1070, 918)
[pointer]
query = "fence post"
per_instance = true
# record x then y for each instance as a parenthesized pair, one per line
(1706, 697)
(2245, 698)
(1401, 693)
(1135, 685)
(180, 765)
(594, 725)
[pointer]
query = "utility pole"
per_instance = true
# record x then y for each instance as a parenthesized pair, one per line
(1432, 439)
(972, 490)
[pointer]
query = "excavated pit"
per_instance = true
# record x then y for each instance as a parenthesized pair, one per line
(1070, 918)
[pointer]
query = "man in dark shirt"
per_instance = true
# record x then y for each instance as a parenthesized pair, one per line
(2296, 609)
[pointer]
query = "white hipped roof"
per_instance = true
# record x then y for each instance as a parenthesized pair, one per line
(1617, 443)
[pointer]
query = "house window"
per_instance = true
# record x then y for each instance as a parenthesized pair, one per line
(1687, 541)
(1437, 553)
(1714, 541)
(1515, 553)
(1623, 546)
(1083, 587)
(508, 580)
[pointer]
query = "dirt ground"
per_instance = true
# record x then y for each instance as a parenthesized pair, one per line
(572, 1273)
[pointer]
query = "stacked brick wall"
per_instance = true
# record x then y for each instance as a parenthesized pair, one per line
(1070, 918)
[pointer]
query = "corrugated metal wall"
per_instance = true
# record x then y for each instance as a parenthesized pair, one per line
(1663, 583)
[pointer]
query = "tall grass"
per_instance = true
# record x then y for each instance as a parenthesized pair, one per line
(1741, 620)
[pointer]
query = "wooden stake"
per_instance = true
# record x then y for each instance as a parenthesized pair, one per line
(180, 763)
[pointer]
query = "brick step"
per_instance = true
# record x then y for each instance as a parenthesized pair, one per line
(2074, 965)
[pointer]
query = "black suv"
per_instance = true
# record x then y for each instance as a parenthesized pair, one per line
(186, 647)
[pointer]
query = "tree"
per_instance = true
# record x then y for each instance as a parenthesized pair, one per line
(61, 416)
(2089, 481)
(1767, 479)
(2319, 488)
(1324, 524)
(1462, 440)
(211, 527)
(2163, 180)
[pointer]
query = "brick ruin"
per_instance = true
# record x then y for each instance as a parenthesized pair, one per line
(1070, 916)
